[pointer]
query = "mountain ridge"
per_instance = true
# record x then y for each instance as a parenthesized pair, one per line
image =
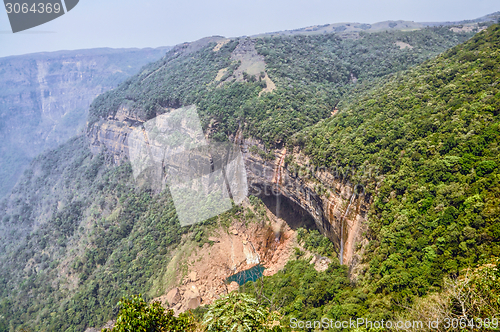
(346, 28)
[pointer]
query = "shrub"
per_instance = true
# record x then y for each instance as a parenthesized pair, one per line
(136, 315)
(238, 312)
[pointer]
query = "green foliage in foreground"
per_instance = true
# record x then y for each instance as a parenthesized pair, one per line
(434, 136)
(471, 301)
(138, 316)
(299, 291)
(238, 312)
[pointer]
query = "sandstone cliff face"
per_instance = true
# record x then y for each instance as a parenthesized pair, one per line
(44, 99)
(110, 135)
(338, 209)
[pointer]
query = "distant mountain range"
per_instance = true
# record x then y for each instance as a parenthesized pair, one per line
(348, 28)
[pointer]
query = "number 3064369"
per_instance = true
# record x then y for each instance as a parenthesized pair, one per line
(36, 8)
(473, 323)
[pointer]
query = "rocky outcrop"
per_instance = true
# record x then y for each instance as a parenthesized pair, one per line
(112, 136)
(173, 296)
(338, 208)
(238, 248)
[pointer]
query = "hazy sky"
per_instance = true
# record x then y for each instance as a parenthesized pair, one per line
(152, 23)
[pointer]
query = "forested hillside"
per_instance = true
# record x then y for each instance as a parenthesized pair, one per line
(77, 233)
(312, 73)
(91, 237)
(433, 133)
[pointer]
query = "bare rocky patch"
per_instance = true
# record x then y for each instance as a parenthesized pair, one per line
(229, 251)
(403, 45)
(252, 64)
(220, 44)
(220, 74)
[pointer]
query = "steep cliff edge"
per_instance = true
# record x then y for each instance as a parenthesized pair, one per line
(44, 98)
(300, 193)
(339, 208)
(221, 79)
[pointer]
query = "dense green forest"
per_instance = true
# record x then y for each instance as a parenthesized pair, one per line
(312, 73)
(105, 239)
(433, 133)
(77, 234)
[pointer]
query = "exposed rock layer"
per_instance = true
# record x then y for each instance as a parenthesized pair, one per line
(317, 194)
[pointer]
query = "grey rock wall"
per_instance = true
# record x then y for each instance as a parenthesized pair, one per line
(44, 99)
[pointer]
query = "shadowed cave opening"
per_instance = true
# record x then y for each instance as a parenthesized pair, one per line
(292, 213)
